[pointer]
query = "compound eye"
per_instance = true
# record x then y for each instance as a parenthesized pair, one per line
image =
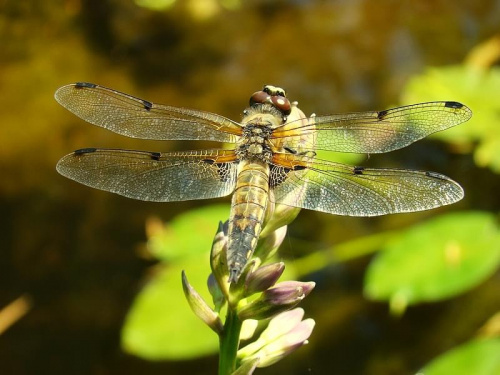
(282, 103)
(268, 90)
(259, 97)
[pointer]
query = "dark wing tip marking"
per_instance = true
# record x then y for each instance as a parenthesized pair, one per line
(299, 167)
(155, 155)
(358, 170)
(381, 115)
(147, 105)
(436, 175)
(83, 151)
(455, 105)
(80, 85)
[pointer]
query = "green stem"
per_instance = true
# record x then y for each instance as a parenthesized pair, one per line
(229, 342)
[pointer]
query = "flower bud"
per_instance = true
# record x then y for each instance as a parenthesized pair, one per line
(285, 333)
(247, 367)
(263, 278)
(268, 246)
(281, 216)
(200, 307)
(282, 297)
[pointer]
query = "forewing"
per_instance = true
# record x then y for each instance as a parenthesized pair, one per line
(151, 176)
(137, 118)
(355, 191)
(375, 132)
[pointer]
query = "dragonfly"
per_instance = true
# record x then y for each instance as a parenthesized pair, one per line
(272, 159)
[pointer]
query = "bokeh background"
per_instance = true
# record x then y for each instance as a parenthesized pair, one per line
(74, 260)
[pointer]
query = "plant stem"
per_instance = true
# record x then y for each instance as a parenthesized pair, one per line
(229, 341)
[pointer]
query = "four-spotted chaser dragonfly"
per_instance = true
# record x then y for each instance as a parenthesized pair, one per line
(273, 160)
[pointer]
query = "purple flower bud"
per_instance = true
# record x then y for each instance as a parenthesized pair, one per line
(200, 307)
(263, 278)
(282, 297)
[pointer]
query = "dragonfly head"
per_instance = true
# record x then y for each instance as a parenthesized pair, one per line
(273, 95)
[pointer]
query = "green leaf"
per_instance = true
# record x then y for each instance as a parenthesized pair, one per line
(479, 90)
(438, 259)
(189, 234)
(341, 157)
(478, 357)
(160, 325)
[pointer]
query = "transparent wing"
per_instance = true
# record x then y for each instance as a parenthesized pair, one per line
(137, 118)
(374, 132)
(151, 176)
(355, 191)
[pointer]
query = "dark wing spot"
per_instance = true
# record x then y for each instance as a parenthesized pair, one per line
(358, 170)
(436, 175)
(299, 167)
(84, 151)
(381, 115)
(290, 150)
(208, 161)
(455, 105)
(147, 105)
(155, 155)
(80, 85)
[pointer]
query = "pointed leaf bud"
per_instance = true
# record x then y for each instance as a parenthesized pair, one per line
(263, 278)
(200, 307)
(282, 297)
(217, 296)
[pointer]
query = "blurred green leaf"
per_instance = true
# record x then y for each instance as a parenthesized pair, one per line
(438, 259)
(189, 234)
(155, 4)
(160, 325)
(341, 157)
(478, 357)
(478, 89)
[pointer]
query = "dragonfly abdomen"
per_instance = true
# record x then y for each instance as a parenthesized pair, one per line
(248, 208)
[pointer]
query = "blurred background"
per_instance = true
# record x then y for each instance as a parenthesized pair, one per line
(77, 264)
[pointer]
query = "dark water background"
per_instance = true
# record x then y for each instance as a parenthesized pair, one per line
(76, 251)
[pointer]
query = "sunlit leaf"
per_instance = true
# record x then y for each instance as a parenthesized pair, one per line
(341, 157)
(160, 324)
(478, 357)
(438, 259)
(479, 90)
(189, 234)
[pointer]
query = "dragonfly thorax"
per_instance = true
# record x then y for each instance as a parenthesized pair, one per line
(255, 143)
(258, 125)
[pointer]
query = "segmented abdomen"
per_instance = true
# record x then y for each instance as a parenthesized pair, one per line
(248, 209)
